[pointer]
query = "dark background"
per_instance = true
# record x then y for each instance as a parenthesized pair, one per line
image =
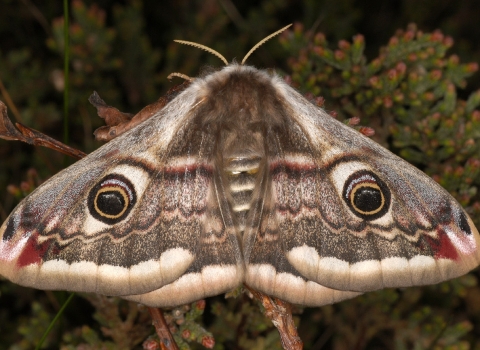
(125, 50)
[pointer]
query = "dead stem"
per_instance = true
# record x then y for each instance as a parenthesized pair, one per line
(280, 313)
(33, 137)
(118, 122)
(166, 339)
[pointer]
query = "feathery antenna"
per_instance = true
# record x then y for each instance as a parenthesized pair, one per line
(212, 51)
(203, 47)
(263, 42)
(179, 75)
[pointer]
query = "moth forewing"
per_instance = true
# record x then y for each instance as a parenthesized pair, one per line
(69, 235)
(417, 235)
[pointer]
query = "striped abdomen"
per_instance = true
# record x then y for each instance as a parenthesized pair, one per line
(242, 173)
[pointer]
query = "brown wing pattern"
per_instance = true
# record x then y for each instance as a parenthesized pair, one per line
(174, 221)
(353, 216)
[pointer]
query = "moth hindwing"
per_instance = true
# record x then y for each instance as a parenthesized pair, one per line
(239, 179)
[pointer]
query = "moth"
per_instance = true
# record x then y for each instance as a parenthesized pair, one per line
(239, 179)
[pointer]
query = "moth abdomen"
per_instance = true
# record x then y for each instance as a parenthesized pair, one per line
(241, 173)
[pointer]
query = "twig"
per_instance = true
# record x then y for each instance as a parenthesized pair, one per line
(31, 136)
(166, 339)
(118, 122)
(280, 313)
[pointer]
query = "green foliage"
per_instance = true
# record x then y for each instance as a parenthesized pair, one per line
(124, 325)
(393, 319)
(241, 321)
(32, 328)
(413, 93)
